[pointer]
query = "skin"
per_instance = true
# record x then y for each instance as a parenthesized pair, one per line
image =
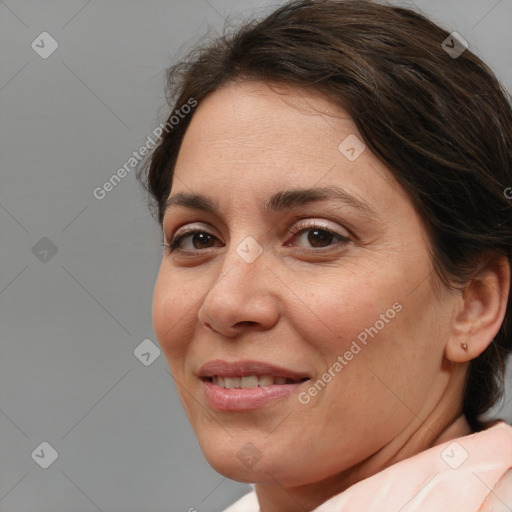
(302, 305)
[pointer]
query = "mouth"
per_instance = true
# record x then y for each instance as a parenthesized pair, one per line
(250, 381)
(247, 385)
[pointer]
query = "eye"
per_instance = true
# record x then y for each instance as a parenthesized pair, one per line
(199, 239)
(318, 235)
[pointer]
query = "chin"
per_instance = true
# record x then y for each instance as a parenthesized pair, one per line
(238, 459)
(234, 467)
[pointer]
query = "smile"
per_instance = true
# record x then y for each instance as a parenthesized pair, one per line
(239, 386)
(250, 381)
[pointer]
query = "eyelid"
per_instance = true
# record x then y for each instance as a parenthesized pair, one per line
(187, 229)
(302, 226)
(182, 232)
(301, 223)
(322, 224)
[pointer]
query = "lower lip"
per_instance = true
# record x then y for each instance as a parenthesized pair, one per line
(249, 399)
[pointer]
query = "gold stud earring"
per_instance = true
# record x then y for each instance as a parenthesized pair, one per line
(464, 346)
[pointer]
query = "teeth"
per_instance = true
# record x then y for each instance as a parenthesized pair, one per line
(249, 381)
(266, 380)
(231, 382)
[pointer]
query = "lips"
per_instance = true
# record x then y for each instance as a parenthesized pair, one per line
(244, 386)
(248, 374)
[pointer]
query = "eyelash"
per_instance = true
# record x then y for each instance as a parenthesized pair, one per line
(302, 227)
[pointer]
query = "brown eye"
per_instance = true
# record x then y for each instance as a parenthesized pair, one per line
(200, 240)
(318, 236)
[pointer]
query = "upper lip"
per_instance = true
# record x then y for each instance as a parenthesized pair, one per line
(247, 367)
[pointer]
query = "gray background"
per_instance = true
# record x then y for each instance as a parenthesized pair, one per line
(69, 325)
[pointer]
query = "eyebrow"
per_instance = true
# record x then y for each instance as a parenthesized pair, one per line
(282, 200)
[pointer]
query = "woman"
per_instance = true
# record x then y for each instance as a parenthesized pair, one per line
(333, 299)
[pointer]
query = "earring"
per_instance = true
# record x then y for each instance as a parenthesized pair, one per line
(464, 346)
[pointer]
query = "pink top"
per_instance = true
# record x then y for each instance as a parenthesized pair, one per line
(467, 474)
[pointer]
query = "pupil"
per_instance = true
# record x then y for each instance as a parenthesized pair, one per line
(202, 237)
(326, 236)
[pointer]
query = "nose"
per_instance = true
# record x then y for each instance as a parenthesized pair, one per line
(243, 295)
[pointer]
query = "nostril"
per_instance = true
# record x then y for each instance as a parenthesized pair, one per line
(245, 323)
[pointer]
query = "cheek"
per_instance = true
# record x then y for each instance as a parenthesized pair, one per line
(172, 303)
(387, 352)
(372, 320)
(343, 306)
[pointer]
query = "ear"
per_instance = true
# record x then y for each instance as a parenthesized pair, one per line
(481, 311)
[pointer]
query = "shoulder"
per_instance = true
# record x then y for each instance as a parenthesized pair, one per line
(500, 498)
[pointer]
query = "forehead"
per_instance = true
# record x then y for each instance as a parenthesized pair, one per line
(247, 140)
(258, 116)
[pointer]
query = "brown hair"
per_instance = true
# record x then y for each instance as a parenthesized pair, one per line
(442, 125)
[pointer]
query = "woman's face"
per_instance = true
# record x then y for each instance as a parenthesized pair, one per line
(338, 291)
